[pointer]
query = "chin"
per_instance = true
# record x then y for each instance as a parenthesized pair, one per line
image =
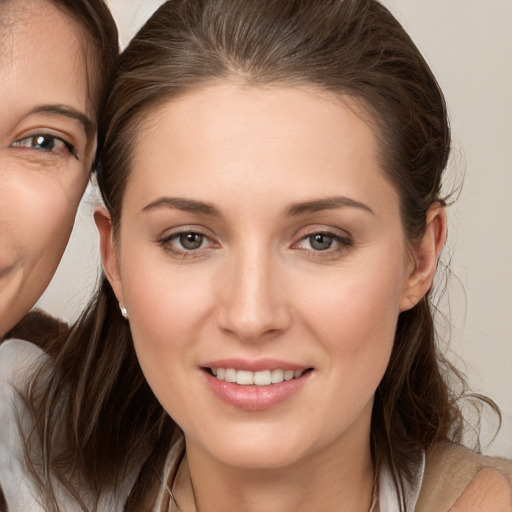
(257, 450)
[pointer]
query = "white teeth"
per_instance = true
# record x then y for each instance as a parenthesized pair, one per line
(230, 375)
(244, 378)
(277, 376)
(261, 378)
(289, 374)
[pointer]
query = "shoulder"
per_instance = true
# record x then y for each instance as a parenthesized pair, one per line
(489, 491)
(458, 479)
(17, 360)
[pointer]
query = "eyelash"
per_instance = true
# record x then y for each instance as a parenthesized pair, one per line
(343, 243)
(31, 138)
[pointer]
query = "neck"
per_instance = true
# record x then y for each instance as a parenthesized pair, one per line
(336, 478)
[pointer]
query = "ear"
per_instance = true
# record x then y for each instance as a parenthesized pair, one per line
(424, 256)
(109, 256)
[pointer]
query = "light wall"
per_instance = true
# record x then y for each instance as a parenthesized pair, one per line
(468, 44)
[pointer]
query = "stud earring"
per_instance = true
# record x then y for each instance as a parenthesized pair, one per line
(124, 311)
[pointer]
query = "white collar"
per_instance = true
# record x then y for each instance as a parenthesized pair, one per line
(389, 500)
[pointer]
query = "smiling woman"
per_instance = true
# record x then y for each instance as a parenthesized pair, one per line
(55, 59)
(47, 135)
(263, 338)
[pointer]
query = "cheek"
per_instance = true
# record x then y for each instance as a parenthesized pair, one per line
(167, 304)
(36, 218)
(354, 316)
(39, 214)
(53, 212)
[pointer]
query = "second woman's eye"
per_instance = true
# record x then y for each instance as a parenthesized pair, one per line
(190, 241)
(323, 242)
(47, 143)
(186, 242)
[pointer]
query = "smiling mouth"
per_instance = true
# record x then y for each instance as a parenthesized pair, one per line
(261, 378)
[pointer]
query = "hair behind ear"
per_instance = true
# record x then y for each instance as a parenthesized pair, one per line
(92, 391)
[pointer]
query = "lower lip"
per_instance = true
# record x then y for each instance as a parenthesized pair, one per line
(255, 398)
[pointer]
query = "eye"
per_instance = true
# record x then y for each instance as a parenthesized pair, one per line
(320, 241)
(323, 241)
(47, 143)
(185, 243)
(190, 241)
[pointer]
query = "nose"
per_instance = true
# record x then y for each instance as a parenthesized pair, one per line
(253, 304)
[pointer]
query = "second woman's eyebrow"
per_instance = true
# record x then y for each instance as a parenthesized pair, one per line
(329, 203)
(186, 205)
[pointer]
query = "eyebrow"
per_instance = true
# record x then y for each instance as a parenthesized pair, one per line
(186, 205)
(297, 209)
(66, 111)
(329, 203)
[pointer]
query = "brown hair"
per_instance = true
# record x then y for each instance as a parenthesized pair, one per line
(94, 387)
(39, 328)
(99, 29)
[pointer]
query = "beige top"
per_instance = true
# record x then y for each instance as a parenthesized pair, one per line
(446, 471)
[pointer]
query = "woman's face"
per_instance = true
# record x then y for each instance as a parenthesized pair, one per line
(261, 242)
(47, 141)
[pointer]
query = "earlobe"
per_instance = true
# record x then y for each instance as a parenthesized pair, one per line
(108, 253)
(425, 254)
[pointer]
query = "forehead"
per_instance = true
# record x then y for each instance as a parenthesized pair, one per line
(231, 141)
(42, 55)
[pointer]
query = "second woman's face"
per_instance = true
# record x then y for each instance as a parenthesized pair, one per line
(47, 143)
(263, 265)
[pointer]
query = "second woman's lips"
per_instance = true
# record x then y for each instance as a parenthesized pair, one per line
(255, 384)
(258, 394)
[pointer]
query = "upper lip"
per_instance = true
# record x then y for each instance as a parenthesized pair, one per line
(254, 365)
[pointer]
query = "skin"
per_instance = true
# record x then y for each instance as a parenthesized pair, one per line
(47, 142)
(258, 287)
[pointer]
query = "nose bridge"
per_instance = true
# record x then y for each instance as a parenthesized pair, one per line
(252, 303)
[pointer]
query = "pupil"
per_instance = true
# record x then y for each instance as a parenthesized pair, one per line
(321, 242)
(191, 240)
(43, 142)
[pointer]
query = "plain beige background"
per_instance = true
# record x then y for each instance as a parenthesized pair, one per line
(468, 44)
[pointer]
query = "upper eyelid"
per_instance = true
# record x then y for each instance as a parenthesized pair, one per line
(77, 138)
(322, 229)
(58, 134)
(180, 230)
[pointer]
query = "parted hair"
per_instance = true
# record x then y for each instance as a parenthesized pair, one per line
(92, 389)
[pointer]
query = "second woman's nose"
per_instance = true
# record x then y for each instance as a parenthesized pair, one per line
(252, 302)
